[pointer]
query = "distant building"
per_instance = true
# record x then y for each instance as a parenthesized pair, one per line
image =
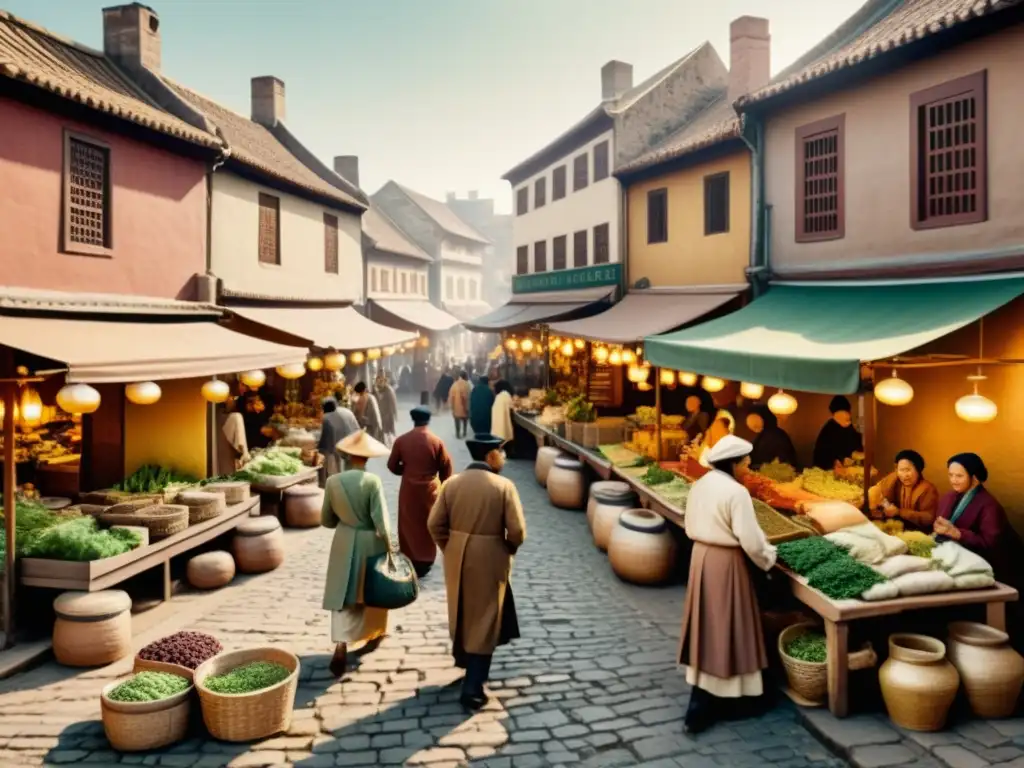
(479, 213)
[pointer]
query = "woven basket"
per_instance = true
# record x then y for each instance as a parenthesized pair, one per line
(162, 520)
(202, 505)
(235, 491)
(139, 726)
(109, 496)
(131, 506)
(248, 716)
(148, 665)
(809, 679)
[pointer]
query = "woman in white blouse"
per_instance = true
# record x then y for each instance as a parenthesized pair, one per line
(722, 644)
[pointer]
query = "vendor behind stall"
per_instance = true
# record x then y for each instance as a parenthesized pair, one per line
(771, 442)
(905, 495)
(699, 409)
(838, 439)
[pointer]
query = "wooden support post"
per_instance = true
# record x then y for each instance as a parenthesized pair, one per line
(657, 411)
(10, 390)
(869, 413)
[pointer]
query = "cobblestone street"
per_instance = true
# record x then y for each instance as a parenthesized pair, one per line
(592, 682)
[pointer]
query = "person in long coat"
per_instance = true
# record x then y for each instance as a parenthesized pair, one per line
(387, 400)
(338, 423)
(771, 442)
(478, 523)
(367, 411)
(722, 641)
(443, 388)
(421, 460)
(458, 399)
(501, 411)
(838, 439)
(481, 400)
(355, 507)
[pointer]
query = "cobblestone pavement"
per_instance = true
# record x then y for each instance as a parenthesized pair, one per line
(592, 682)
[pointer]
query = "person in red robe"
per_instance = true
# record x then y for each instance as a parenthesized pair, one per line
(421, 460)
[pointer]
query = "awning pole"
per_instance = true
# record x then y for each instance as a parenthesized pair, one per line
(10, 481)
(657, 410)
(869, 414)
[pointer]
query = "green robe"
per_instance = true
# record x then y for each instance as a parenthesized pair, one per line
(355, 507)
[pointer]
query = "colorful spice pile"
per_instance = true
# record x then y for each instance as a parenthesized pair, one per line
(248, 678)
(779, 471)
(188, 649)
(149, 686)
(828, 568)
(891, 527)
(919, 544)
(809, 646)
(79, 540)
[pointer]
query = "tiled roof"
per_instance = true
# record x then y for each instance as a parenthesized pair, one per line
(14, 298)
(863, 37)
(254, 145)
(386, 235)
(444, 216)
(36, 56)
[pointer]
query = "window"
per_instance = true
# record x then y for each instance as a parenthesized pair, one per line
(601, 161)
(820, 180)
(579, 172)
(716, 203)
(558, 249)
(86, 196)
(385, 281)
(449, 287)
(657, 216)
(330, 244)
(949, 154)
(539, 192)
(601, 254)
(373, 279)
(540, 256)
(270, 230)
(423, 285)
(522, 259)
(522, 201)
(462, 288)
(404, 280)
(558, 183)
(473, 290)
(579, 248)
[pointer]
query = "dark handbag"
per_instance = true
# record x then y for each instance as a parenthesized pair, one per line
(390, 581)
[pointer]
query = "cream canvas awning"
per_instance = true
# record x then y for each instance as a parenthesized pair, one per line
(341, 328)
(419, 314)
(532, 308)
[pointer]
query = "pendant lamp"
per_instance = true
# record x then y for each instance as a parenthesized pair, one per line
(253, 379)
(78, 399)
(628, 357)
(315, 364)
(526, 346)
(782, 403)
(687, 379)
(357, 358)
(291, 371)
(568, 349)
(975, 407)
(615, 357)
(667, 377)
(894, 390)
(751, 391)
(601, 355)
(713, 384)
(143, 392)
(334, 361)
(215, 391)
(373, 354)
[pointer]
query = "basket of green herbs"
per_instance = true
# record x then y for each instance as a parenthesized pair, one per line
(270, 467)
(656, 475)
(149, 710)
(803, 652)
(78, 540)
(248, 695)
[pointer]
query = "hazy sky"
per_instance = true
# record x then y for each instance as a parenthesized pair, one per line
(436, 94)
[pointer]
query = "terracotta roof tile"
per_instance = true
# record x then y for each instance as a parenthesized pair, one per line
(905, 23)
(36, 56)
(444, 216)
(386, 235)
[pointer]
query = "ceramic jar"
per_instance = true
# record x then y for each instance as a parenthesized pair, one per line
(302, 506)
(546, 456)
(641, 549)
(92, 629)
(258, 545)
(614, 492)
(567, 487)
(991, 671)
(918, 684)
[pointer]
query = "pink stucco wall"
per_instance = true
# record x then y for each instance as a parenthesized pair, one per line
(878, 161)
(158, 212)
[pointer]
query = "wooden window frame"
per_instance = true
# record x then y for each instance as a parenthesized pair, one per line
(559, 183)
(403, 280)
(373, 279)
(262, 202)
(332, 256)
(708, 181)
(523, 201)
(606, 257)
(559, 255)
(976, 83)
(602, 170)
(385, 281)
(835, 123)
(579, 236)
(68, 245)
(523, 260)
(657, 196)
(540, 256)
(540, 189)
(581, 181)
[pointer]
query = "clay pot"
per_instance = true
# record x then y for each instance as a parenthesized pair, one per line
(613, 492)
(302, 505)
(546, 456)
(992, 672)
(258, 545)
(641, 549)
(567, 487)
(210, 570)
(92, 629)
(918, 684)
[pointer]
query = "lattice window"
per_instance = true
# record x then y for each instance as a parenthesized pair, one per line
(540, 256)
(540, 192)
(87, 196)
(602, 244)
(522, 201)
(558, 183)
(580, 172)
(820, 177)
(330, 244)
(522, 259)
(558, 252)
(270, 230)
(949, 179)
(657, 215)
(601, 152)
(579, 248)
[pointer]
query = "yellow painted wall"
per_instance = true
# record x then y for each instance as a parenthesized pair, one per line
(690, 257)
(171, 432)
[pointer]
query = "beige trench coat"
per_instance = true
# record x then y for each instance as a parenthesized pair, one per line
(478, 524)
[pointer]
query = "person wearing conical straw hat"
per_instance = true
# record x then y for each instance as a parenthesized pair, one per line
(355, 507)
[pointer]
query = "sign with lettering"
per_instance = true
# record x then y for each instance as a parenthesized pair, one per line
(568, 279)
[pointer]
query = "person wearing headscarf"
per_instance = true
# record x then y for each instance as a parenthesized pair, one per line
(479, 525)
(971, 515)
(481, 400)
(367, 411)
(905, 495)
(421, 460)
(838, 439)
(771, 442)
(722, 645)
(355, 507)
(458, 399)
(501, 411)
(387, 400)
(338, 423)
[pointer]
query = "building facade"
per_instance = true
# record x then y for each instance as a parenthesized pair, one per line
(479, 213)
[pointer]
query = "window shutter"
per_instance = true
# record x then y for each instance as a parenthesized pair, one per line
(601, 244)
(820, 181)
(540, 256)
(558, 183)
(579, 248)
(270, 230)
(601, 152)
(558, 255)
(522, 260)
(330, 244)
(87, 196)
(580, 171)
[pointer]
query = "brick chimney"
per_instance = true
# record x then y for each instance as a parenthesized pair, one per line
(347, 166)
(749, 55)
(267, 101)
(449, 197)
(131, 36)
(616, 79)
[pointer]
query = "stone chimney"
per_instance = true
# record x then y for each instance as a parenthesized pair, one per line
(449, 197)
(474, 194)
(267, 101)
(749, 55)
(616, 79)
(131, 36)
(347, 166)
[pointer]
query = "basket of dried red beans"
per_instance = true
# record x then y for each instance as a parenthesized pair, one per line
(178, 654)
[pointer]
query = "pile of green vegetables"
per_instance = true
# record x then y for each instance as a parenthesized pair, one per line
(79, 540)
(30, 518)
(656, 475)
(149, 686)
(580, 409)
(779, 471)
(809, 646)
(828, 568)
(273, 461)
(248, 678)
(151, 478)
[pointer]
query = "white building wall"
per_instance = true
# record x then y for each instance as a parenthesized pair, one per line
(384, 281)
(301, 273)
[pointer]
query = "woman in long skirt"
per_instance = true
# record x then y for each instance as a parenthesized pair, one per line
(354, 506)
(722, 643)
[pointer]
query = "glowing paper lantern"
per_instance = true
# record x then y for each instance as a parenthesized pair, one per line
(751, 391)
(357, 358)
(315, 364)
(215, 391)
(628, 357)
(512, 344)
(782, 403)
(78, 398)
(334, 361)
(527, 346)
(143, 392)
(687, 379)
(713, 384)
(424, 342)
(579, 344)
(30, 406)
(615, 357)
(601, 355)
(667, 377)
(975, 407)
(568, 350)
(894, 391)
(253, 379)
(373, 354)
(389, 351)
(291, 371)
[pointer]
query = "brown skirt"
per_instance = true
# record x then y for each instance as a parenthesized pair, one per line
(721, 634)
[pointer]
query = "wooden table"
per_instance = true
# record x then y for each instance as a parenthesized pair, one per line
(837, 616)
(650, 499)
(271, 493)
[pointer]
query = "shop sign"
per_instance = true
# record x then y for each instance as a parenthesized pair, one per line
(568, 279)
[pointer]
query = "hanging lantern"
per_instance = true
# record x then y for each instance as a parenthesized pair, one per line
(315, 364)
(687, 379)
(291, 371)
(3, 412)
(579, 344)
(633, 374)
(644, 386)
(568, 349)
(215, 391)
(667, 377)
(334, 361)
(143, 392)
(976, 408)
(628, 357)
(253, 379)
(389, 351)
(78, 398)
(601, 355)
(894, 391)
(373, 354)
(751, 391)
(713, 384)
(30, 405)
(615, 357)
(782, 403)
(512, 344)
(357, 358)
(555, 342)
(527, 346)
